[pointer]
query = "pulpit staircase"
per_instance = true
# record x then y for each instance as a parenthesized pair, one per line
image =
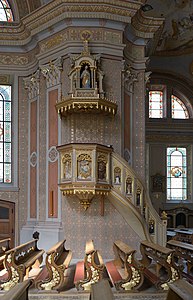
(132, 200)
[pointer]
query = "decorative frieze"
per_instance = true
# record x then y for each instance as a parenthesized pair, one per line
(9, 59)
(52, 72)
(32, 85)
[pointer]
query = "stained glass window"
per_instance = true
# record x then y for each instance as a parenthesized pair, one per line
(155, 104)
(179, 110)
(5, 134)
(5, 11)
(176, 174)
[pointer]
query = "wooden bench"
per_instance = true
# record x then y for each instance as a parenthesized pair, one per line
(101, 290)
(160, 268)
(124, 258)
(4, 246)
(183, 251)
(180, 290)
(19, 291)
(91, 270)
(19, 261)
(57, 261)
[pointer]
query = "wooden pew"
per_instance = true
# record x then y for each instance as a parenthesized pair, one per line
(4, 246)
(19, 291)
(57, 261)
(101, 290)
(183, 251)
(19, 261)
(160, 268)
(91, 270)
(180, 290)
(124, 258)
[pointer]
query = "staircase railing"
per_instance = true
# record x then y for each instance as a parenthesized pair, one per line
(126, 187)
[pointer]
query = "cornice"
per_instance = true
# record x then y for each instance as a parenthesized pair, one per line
(145, 26)
(60, 10)
(169, 138)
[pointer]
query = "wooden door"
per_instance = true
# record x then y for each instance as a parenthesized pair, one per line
(7, 221)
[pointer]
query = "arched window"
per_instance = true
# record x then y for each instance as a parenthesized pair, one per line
(176, 174)
(161, 99)
(179, 110)
(5, 134)
(6, 14)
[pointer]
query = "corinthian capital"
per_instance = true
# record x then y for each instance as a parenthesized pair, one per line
(32, 84)
(130, 77)
(52, 72)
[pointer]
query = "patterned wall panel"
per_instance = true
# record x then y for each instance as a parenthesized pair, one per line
(23, 154)
(80, 225)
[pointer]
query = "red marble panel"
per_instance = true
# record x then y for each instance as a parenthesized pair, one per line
(53, 166)
(33, 127)
(33, 148)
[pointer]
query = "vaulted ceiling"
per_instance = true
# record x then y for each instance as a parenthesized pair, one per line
(176, 34)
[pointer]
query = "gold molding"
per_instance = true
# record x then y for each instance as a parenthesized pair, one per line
(69, 105)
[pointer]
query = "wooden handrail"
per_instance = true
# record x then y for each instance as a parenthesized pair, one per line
(55, 247)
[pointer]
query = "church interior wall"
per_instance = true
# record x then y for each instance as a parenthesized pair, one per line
(90, 224)
(39, 203)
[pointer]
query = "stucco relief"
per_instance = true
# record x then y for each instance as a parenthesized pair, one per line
(33, 159)
(13, 59)
(67, 35)
(52, 154)
(52, 72)
(32, 85)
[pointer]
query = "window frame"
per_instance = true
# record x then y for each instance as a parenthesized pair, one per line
(184, 178)
(168, 92)
(6, 123)
(13, 81)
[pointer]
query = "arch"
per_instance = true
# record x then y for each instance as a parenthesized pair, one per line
(176, 86)
(179, 109)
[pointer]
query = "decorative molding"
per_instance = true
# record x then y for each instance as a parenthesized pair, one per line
(56, 11)
(52, 72)
(32, 84)
(75, 34)
(33, 159)
(12, 59)
(145, 26)
(52, 154)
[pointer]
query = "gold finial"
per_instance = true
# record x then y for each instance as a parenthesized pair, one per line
(164, 215)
